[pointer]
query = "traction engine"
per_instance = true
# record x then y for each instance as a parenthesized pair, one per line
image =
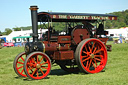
(80, 48)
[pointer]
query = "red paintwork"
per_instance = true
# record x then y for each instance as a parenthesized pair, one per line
(100, 56)
(19, 64)
(104, 40)
(63, 55)
(79, 34)
(8, 44)
(64, 39)
(40, 64)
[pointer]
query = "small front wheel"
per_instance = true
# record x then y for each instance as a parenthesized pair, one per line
(18, 64)
(37, 65)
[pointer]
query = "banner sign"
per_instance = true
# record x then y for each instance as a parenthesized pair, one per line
(83, 17)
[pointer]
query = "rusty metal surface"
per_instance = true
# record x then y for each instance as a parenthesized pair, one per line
(64, 39)
(63, 55)
(79, 34)
(104, 40)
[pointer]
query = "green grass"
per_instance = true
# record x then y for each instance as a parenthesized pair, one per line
(116, 72)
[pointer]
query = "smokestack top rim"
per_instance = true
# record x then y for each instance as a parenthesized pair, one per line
(34, 7)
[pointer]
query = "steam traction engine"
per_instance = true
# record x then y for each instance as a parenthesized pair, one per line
(80, 47)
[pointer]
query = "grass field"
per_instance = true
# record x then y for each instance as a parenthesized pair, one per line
(116, 72)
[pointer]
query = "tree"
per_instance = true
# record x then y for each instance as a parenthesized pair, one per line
(108, 25)
(0, 33)
(126, 19)
(8, 31)
(122, 24)
(16, 29)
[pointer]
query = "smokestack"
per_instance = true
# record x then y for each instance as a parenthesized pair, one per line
(34, 23)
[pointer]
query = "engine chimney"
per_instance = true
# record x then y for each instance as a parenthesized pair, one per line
(34, 23)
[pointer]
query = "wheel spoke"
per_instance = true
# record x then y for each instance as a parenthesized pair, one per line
(86, 48)
(86, 59)
(20, 62)
(98, 51)
(89, 43)
(84, 56)
(41, 59)
(87, 63)
(44, 63)
(93, 45)
(32, 60)
(30, 68)
(37, 74)
(90, 63)
(20, 67)
(30, 64)
(94, 50)
(97, 59)
(22, 71)
(99, 56)
(90, 50)
(22, 58)
(41, 71)
(34, 72)
(44, 67)
(86, 52)
(95, 62)
(93, 65)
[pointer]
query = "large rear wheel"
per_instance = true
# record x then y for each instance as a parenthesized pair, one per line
(37, 65)
(91, 55)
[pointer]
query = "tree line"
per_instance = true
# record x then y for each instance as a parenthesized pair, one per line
(122, 21)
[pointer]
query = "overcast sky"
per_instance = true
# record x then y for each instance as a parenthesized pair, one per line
(16, 13)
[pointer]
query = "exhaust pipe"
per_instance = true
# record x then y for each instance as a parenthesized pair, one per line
(34, 23)
(35, 45)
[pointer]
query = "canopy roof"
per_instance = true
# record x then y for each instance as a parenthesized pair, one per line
(22, 37)
(69, 17)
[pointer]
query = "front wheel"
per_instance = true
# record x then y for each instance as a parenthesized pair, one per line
(91, 55)
(18, 64)
(37, 65)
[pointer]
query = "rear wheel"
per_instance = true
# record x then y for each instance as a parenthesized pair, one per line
(91, 55)
(37, 65)
(18, 64)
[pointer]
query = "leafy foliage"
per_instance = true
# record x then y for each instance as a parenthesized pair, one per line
(17, 29)
(26, 28)
(122, 20)
(7, 31)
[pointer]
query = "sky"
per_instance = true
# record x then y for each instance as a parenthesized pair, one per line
(16, 13)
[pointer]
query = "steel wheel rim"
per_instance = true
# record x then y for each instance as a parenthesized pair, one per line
(35, 66)
(93, 56)
(20, 63)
